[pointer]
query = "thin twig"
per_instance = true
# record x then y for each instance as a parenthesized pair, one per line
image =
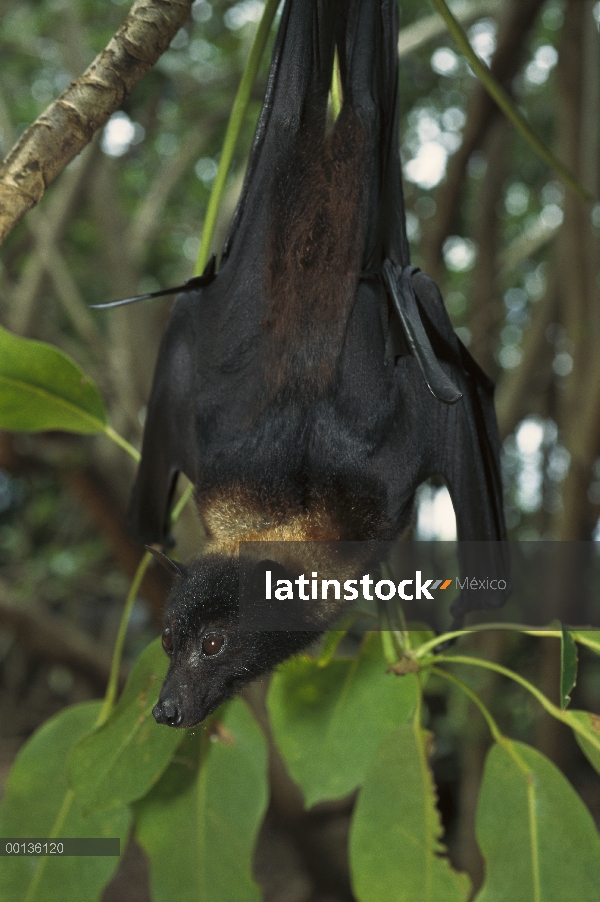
(481, 110)
(431, 27)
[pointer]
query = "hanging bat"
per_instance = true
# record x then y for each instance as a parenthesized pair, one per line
(310, 385)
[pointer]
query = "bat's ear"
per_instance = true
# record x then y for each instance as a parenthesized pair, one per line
(258, 575)
(175, 568)
(267, 564)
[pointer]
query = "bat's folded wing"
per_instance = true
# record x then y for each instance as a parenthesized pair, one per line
(465, 445)
(399, 283)
(169, 446)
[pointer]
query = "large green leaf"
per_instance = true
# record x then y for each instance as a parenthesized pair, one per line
(537, 837)
(395, 848)
(198, 825)
(39, 803)
(328, 721)
(41, 388)
(123, 759)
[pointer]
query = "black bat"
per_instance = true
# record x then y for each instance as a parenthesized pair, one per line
(310, 385)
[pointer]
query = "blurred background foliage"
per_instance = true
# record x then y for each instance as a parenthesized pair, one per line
(516, 254)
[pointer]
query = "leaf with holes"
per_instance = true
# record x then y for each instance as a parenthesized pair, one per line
(395, 839)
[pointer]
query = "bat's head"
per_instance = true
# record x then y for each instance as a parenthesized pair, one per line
(211, 658)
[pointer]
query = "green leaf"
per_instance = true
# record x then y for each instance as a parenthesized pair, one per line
(395, 848)
(332, 639)
(329, 647)
(327, 722)
(38, 803)
(568, 667)
(537, 837)
(591, 723)
(589, 638)
(388, 647)
(198, 825)
(121, 760)
(41, 388)
(418, 634)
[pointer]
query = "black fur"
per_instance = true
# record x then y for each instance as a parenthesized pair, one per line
(204, 602)
(309, 377)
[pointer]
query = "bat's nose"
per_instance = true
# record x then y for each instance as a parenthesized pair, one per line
(167, 712)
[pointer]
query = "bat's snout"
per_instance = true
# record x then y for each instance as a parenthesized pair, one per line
(168, 712)
(182, 703)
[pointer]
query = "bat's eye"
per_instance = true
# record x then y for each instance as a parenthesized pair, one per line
(212, 644)
(167, 640)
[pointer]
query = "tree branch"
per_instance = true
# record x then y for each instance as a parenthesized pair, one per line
(429, 28)
(525, 246)
(57, 639)
(22, 296)
(481, 111)
(485, 300)
(87, 487)
(69, 123)
(532, 375)
(147, 217)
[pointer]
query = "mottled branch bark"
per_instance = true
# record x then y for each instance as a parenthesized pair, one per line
(68, 124)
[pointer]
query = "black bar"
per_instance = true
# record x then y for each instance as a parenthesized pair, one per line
(59, 847)
(526, 582)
